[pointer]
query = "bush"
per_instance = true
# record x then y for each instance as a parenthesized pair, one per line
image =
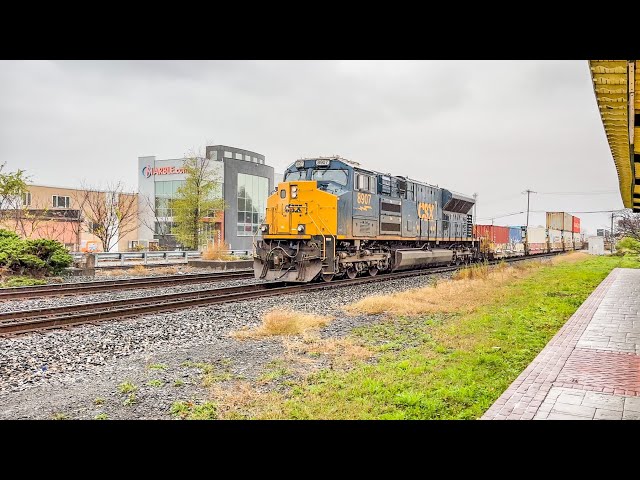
(32, 257)
(628, 245)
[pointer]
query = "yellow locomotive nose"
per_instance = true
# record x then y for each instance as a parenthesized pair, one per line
(300, 210)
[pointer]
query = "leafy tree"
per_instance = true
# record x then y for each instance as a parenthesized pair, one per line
(12, 186)
(198, 199)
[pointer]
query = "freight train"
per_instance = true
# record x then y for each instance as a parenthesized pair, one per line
(331, 218)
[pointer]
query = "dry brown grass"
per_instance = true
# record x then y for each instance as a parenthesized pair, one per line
(571, 257)
(217, 252)
(473, 289)
(284, 322)
(239, 400)
(340, 351)
(142, 270)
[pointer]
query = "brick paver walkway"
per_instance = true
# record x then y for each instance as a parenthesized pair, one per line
(590, 370)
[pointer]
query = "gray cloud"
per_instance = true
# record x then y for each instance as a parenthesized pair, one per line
(494, 128)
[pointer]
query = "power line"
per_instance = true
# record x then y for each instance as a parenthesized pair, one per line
(500, 216)
(602, 192)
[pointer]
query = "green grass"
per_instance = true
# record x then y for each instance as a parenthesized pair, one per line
(98, 401)
(188, 410)
(101, 416)
(155, 383)
(59, 416)
(127, 387)
(21, 281)
(178, 383)
(451, 366)
(209, 374)
(131, 399)
(273, 371)
(157, 366)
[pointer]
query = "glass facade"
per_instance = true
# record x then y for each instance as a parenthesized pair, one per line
(165, 193)
(252, 200)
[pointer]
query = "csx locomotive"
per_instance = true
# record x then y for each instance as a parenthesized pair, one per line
(330, 218)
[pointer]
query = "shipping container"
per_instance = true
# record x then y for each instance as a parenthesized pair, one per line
(576, 225)
(493, 233)
(555, 240)
(567, 239)
(515, 234)
(537, 235)
(560, 221)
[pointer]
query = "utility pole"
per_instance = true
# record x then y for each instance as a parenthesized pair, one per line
(526, 237)
(611, 234)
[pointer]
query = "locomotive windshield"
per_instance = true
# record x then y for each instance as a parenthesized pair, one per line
(324, 175)
(297, 175)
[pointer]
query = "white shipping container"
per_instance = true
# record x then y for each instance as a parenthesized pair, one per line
(568, 222)
(555, 220)
(567, 236)
(537, 235)
(555, 236)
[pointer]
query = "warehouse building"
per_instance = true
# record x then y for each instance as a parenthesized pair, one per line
(245, 182)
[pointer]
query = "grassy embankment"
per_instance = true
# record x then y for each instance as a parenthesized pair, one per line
(447, 351)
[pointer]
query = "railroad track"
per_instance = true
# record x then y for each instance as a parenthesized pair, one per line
(61, 289)
(60, 317)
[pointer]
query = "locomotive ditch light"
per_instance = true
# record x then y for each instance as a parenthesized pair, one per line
(264, 228)
(294, 191)
(301, 227)
(322, 162)
(299, 163)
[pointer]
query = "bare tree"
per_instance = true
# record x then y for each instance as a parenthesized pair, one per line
(628, 225)
(151, 216)
(110, 214)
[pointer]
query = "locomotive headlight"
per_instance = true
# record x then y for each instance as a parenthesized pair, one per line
(299, 163)
(322, 162)
(294, 191)
(264, 228)
(301, 228)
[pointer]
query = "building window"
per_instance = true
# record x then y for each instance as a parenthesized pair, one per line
(26, 199)
(59, 201)
(238, 156)
(228, 155)
(252, 200)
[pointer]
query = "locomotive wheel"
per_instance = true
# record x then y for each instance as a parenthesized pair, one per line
(327, 277)
(373, 271)
(352, 273)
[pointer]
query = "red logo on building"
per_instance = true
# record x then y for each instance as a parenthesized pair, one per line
(149, 170)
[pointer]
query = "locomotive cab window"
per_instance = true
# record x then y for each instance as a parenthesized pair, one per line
(297, 175)
(324, 175)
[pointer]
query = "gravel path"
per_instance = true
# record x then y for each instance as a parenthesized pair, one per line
(64, 372)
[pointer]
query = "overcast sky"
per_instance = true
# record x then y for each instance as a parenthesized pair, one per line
(491, 127)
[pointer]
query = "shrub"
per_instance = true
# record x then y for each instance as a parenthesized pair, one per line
(628, 245)
(32, 257)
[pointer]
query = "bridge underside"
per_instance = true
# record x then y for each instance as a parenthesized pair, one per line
(615, 83)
